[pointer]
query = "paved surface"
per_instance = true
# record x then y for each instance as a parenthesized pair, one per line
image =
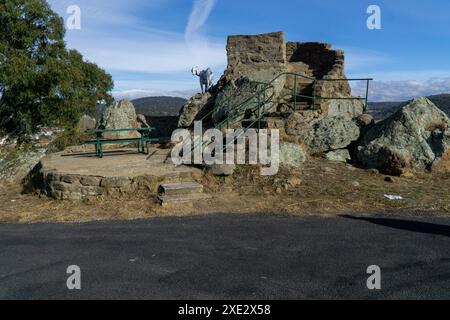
(228, 257)
(124, 162)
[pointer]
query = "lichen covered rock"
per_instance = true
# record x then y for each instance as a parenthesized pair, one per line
(416, 137)
(192, 109)
(121, 115)
(342, 155)
(292, 155)
(86, 123)
(332, 133)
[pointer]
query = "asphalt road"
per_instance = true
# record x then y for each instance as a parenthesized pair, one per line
(228, 257)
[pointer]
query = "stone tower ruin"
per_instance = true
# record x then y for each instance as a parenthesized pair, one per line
(313, 70)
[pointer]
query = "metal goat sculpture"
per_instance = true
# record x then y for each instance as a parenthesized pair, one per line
(206, 78)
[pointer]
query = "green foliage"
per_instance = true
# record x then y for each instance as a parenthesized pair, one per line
(67, 138)
(41, 82)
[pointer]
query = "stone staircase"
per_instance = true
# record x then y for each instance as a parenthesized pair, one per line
(286, 103)
(177, 193)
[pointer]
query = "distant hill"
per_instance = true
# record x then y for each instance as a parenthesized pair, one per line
(382, 110)
(159, 106)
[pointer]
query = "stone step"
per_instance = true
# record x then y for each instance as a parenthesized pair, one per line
(184, 188)
(166, 200)
(185, 192)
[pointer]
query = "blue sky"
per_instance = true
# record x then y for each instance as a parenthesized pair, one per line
(149, 46)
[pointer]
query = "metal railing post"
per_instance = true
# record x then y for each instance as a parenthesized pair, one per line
(314, 94)
(366, 107)
(295, 92)
(259, 111)
(228, 114)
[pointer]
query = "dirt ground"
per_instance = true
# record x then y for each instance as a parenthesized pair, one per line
(320, 188)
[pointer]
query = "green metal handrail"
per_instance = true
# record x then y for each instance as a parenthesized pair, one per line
(241, 108)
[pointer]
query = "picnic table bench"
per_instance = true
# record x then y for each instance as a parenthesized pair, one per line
(99, 141)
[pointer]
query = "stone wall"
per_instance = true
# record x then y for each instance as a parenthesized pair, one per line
(64, 186)
(75, 187)
(248, 55)
(80, 175)
(257, 57)
(263, 57)
(319, 57)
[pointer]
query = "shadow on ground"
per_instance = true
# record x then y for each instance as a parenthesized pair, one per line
(408, 225)
(105, 154)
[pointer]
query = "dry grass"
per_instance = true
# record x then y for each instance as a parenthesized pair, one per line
(335, 187)
(327, 188)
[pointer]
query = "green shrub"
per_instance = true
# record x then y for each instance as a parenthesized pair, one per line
(67, 138)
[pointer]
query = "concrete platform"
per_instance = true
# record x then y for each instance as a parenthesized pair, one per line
(120, 172)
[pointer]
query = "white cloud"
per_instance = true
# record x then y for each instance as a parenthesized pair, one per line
(198, 17)
(136, 94)
(115, 38)
(405, 75)
(149, 52)
(401, 90)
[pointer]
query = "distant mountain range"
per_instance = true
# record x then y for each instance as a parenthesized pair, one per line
(159, 106)
(171, 106)
(382, 110)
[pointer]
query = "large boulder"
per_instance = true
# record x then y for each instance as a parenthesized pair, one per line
(16, 161)
(15, 165)
(342, 155)
(365, 120)
(297, 125)
(86, 123)
(237, 94)
(417, 136)
(292, 155)
(222, 170)
(332, 133)
(265, 59)
(348, 108)
(192, 108)
(121, 115)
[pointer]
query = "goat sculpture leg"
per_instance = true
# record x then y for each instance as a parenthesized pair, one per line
(205, 78)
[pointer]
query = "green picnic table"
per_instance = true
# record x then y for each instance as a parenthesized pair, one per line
(99, 141)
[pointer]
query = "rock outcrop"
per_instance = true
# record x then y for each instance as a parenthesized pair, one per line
(191, 109)
(318, 117)
(365, 120)
(235, 93)
(257, 59)
(121, 115)
(14, 168)
(332, 133)
(221, 170)
(342, 155)
(292, 155)
(344, 108)
(16, 161)
(86, 123)
(417, 136)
